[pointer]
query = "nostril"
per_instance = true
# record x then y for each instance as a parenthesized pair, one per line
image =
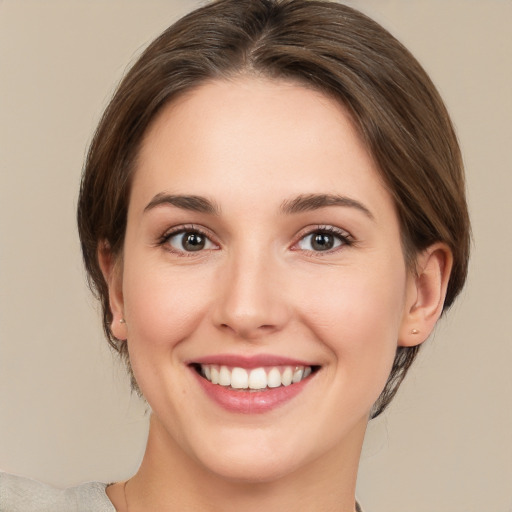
(248, 332)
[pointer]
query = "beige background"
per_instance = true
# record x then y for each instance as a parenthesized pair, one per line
(66, 414)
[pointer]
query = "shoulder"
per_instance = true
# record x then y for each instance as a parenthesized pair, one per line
(19, 494)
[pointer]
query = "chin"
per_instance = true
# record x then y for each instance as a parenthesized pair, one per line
(244, 470)
(245, 455)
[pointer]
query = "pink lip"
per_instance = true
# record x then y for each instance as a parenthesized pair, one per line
(250, 402)
(255, 361)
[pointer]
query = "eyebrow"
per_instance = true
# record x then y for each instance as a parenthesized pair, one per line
(309, 202)
(299, 204)
(186, 202)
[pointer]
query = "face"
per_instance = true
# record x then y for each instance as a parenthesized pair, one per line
(263, 282)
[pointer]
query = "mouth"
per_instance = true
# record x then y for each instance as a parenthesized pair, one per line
(252, 384)
(263, 378)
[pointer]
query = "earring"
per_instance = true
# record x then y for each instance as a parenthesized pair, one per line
(122, 321)
(415, 331)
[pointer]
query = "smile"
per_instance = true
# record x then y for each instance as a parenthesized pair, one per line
(253, 379)
(252, 385)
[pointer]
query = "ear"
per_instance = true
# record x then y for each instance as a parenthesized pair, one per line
(425, 294)
(111, 268)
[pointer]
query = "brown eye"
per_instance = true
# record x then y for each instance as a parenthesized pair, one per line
(322, 241)
(193, 241)
(189, 241)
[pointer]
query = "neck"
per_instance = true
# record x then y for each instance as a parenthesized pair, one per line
(170, 479)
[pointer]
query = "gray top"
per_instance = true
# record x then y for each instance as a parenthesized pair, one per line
(19, 494)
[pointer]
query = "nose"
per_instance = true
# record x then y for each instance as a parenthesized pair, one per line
(251, 302)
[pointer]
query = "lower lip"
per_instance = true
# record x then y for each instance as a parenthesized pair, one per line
(250, 402)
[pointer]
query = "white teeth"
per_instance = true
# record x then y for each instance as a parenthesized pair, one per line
(257, 378)
(274, 378)
(214, 374)
(297, 374)
(224, 376)
(286, 378)
(239, 378)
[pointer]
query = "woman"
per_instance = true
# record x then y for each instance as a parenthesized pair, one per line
(272, 214)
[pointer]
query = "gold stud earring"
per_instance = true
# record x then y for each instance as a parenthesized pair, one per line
(415, 331)
(122, 321)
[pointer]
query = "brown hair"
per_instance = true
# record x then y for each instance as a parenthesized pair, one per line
(324, 45)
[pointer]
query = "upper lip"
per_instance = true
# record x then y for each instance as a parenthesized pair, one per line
(254, 361)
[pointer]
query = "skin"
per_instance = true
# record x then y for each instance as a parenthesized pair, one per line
(250, 146)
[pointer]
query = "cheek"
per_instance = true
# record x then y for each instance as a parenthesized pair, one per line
(162, 306)
(358, 316)
(163, 309)
(356, 301)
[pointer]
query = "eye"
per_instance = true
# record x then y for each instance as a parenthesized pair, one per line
(189, 241)
(322, 240)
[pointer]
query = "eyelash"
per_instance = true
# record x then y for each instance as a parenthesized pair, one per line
(345, 239)
(181, 230)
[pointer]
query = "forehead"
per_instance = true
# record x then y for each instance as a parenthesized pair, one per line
(252, 108)
(254, 135)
